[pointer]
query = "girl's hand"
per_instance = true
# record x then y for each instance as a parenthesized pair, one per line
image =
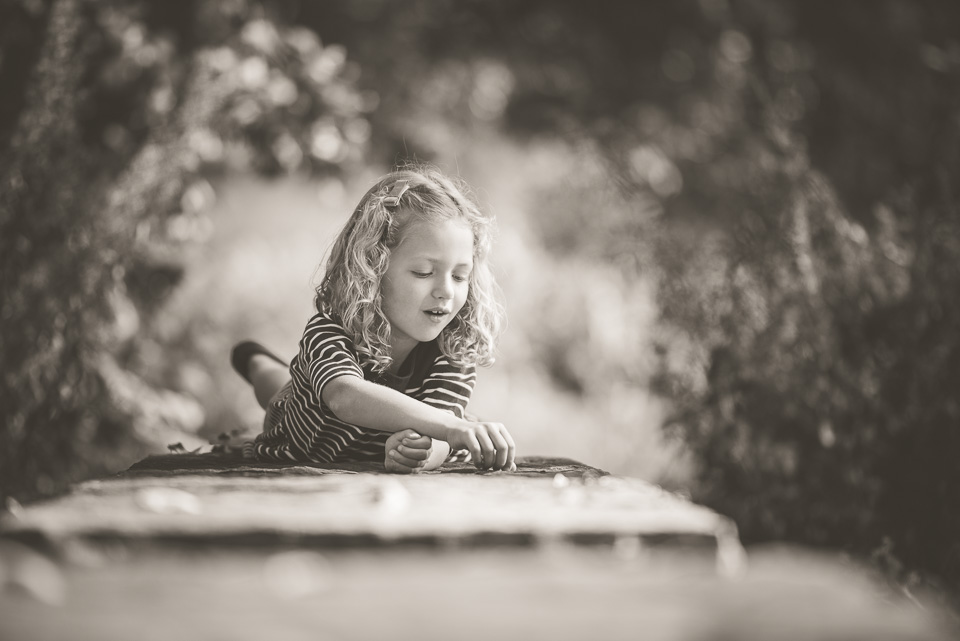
(490, 444)
(406, 452)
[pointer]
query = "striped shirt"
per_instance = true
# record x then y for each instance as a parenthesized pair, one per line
(307, 430)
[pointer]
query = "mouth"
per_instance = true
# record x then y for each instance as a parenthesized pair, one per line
(437, 313)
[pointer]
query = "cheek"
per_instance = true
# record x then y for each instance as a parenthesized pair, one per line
(462, 295)
(389, 294)
(386, 291)
(399, 292)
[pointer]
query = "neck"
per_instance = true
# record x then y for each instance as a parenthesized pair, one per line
(399, 351)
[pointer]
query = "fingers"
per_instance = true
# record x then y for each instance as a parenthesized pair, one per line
(414, 453)
(406, 461)
(473, 446)
(505, 447)
(417, 441)
(397, 437)
(395, 468)
(488, 452)
(497, 447)
(511, 450)
(490, 445)
(503, 450)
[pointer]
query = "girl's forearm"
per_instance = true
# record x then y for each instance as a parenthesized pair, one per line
(367, 404)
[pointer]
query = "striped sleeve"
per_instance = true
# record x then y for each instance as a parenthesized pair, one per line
(327, 353)
(447, 386)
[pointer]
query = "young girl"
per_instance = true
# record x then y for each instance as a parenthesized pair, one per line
(405, 313)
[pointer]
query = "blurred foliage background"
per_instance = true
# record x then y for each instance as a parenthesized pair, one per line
(729, 234)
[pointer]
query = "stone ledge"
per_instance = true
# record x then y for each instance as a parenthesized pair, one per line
(558, 550)
(217, 464)
(188, 500)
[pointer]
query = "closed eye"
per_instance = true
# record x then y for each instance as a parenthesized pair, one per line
(421, 274)
(459, 278)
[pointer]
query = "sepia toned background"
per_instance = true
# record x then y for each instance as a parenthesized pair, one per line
(729, 238)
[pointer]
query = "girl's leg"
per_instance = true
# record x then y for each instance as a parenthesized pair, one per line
(267, 377)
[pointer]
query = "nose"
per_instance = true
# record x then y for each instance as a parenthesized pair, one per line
(443, 288)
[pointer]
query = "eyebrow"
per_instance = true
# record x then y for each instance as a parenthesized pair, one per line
(436, 261)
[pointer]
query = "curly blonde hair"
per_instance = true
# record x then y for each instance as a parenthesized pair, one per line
(359, 258)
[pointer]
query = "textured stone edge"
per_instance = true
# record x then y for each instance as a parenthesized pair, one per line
(230, 464)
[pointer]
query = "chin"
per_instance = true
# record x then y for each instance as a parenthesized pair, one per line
(429, 336)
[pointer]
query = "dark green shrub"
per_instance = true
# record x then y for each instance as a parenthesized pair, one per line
(114, 116)
(822, 408)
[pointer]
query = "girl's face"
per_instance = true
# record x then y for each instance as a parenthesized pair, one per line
(426, 282)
